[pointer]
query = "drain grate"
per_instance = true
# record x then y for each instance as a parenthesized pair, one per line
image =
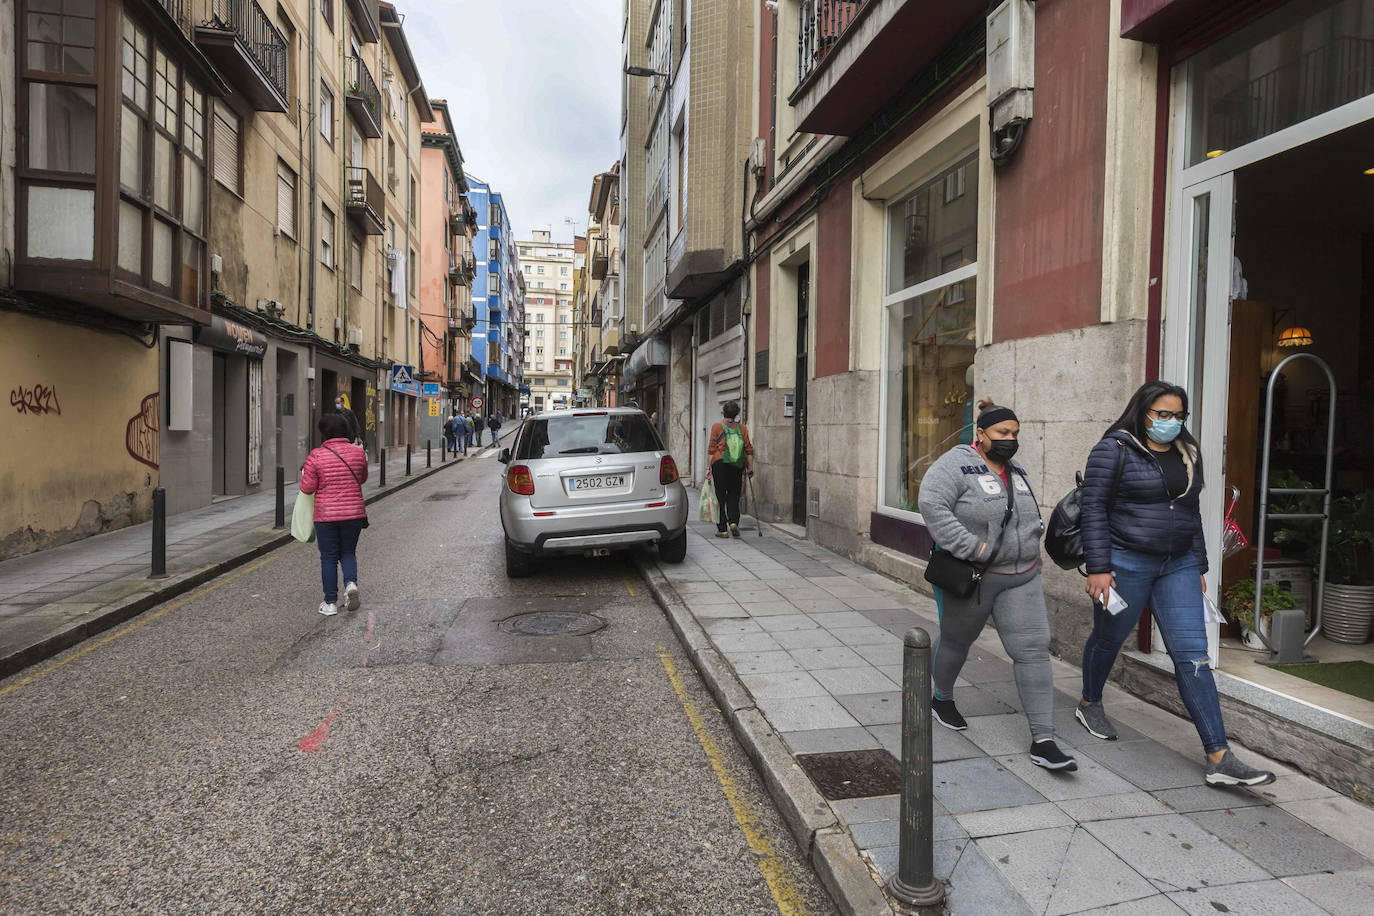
(441, 497)
(552, 623)
(853, 774)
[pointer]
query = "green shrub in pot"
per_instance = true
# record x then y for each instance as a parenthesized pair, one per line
(1238, 603)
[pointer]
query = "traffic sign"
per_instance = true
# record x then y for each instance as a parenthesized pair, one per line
(477, 402)
(402, 375)
(429, 389)
(434, 407)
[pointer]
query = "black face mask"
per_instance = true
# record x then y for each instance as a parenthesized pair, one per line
(1000, 450)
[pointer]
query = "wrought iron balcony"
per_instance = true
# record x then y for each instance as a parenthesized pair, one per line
(247, 48)
(822, 24)
(366, 202)
(364, 100)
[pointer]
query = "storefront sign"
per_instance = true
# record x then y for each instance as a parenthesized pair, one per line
(430, 389)
(434, 407)
(232, 337)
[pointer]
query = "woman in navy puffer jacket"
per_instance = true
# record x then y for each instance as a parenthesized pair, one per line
(1143, 543)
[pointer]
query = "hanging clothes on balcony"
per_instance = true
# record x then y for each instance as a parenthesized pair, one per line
(398, 276)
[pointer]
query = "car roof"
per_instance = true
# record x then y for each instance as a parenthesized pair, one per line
(574, 411)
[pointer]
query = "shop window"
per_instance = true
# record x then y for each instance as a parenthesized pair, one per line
(930, 329)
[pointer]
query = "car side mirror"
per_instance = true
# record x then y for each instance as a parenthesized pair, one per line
(504, 457)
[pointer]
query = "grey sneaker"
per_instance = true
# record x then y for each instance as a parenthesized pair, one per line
(1229, 771)
(1094, 719)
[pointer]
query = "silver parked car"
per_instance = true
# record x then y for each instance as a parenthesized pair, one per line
(589, 481)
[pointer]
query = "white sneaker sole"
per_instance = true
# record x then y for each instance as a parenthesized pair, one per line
(353, 600)
(327, 613)
(1221, 779)
(1083, 721)
(954, 728)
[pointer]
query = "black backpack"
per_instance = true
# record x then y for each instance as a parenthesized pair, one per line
(1064, 534)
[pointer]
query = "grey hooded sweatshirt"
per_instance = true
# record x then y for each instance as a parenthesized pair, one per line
(963, 503)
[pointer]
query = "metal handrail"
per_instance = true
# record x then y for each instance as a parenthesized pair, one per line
(363, 190)
(360, 83)
(258, 36)
(823, 22)
(1324, 492)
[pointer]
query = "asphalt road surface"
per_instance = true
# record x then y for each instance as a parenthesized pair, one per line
(234, 751)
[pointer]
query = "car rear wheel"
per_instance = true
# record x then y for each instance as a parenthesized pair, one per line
(518, 565)
(673, 550)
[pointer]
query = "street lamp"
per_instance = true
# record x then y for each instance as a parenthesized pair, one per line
(645, 71)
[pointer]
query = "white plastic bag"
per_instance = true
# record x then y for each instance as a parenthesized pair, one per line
(708, 508)
(303, 518)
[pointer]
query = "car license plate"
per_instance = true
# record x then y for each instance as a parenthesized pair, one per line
(600, 482)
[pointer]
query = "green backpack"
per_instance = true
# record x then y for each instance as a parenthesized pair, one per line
(734, 445)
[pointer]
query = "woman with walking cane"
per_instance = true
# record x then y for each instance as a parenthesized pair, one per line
(730, 456)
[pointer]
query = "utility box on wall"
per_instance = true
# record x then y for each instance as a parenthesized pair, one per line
(1011, 61)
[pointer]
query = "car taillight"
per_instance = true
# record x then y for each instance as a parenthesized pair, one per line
(667, 470)
(520, 481)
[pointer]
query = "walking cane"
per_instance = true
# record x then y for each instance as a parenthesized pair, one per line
(754, 504)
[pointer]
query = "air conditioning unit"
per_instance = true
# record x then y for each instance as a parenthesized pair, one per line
(271, 306)
(355, 337)
(758, 154)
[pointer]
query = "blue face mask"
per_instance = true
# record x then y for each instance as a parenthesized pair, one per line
(1164, 431)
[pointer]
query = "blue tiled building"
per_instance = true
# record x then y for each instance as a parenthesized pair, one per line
(498, 302)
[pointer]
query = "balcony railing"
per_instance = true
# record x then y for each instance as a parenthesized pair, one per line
(257, 61)
(366, 202)
(364, 101)
(822, 24)
(177, 10)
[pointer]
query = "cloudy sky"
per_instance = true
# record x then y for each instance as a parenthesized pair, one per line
(534, 92)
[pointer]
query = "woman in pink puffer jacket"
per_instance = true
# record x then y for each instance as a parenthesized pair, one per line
(335, 473)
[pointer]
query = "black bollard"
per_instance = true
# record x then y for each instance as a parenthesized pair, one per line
(407, 459)
(443, 450)
(382, 454)
(159, 570)
(281, 498)
(915, 883)
(429, 456)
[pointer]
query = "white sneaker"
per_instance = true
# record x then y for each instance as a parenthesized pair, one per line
(327, 609)
(351, 594)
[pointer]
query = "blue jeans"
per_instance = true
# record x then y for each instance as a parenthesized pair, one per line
(338, 547)
(452, 443)
(1172, 587)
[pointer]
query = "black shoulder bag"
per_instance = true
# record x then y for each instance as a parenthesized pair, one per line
(354, 475)
(961, 577)
(1064, 535)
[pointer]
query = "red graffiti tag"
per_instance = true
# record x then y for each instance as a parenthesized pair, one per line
(140, 436)
(38, 400)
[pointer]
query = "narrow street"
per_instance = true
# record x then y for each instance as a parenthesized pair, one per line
(233, 750)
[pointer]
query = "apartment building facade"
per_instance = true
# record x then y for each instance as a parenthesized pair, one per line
(498, 292)
(229, 227)
(605, 305)
(448, 267)
(547, 267)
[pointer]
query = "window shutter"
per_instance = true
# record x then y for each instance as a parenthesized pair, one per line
(286, 200)
(226, 157)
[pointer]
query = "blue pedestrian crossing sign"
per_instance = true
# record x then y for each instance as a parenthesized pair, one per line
(402, 376)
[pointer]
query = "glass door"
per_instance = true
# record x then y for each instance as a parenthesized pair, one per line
(1197, 344)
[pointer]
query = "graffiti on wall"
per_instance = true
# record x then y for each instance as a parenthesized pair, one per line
(140, 437)
(371, 421)
(38, 400)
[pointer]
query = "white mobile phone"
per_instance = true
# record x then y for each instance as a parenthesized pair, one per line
(1114, 603)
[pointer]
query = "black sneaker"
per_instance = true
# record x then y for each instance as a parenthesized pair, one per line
(1045, 753)
(945, 713)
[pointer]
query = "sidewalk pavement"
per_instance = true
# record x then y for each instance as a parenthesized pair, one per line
(803, 650)
(55, 598)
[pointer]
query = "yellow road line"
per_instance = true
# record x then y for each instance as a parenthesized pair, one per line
(785, 894)
(630, 588)
(142, 620)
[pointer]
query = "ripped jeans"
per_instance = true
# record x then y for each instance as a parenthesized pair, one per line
(1172, 587)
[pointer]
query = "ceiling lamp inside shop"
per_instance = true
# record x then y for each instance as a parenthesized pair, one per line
(1296, 337)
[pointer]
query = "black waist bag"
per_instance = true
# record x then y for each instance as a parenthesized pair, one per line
(1064, 534)
(958, 577)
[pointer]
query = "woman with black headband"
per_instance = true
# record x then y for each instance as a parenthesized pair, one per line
(964, 498)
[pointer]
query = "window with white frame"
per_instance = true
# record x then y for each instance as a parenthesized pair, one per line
(932, 268)
(326, 113)
(286, 200)
(326, 237)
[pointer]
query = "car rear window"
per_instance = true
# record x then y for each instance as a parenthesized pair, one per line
(587, 434)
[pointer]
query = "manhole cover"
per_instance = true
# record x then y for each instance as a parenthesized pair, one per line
(440, 497)
(553, 623)
(853, 774)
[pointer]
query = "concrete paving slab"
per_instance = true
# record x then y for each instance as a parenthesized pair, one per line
(979, 784)
(1089, 780)
(834, 657)
(838, 620)
(1293, 788)
(1014, 820)
(788, 714)
(1339, 818)
(805, 639)
(997, 735)
(718, 611)
(730, 626)
(1111, 807)
(1073, 732)
(1188, 799)
(868, 810)
(880, 655)
(844, 681)
(1146, 764)
(732, 644)
(778, 623)
(874, 603)
(829, 740)
(1174, 853)
(874, 708)
(1278, 842)
(1344, 892)
(771, 608)
(864, 636)
(1255, 898)
(1157, 905)
(1063, 870)
(764, 663)
(782, 684)
(976, 886)
(975, 701)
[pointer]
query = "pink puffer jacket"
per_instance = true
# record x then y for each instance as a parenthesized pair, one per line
(338, 497)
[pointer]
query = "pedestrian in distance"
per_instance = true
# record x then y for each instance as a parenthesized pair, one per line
(450, 439)
(1143, 545)
(730, 458)
(980, 509)
(494, 424)
(460, 433)
(355, 430)
(477, 426)
(335, 473)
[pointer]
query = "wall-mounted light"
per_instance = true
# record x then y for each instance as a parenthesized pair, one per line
(1297, 336)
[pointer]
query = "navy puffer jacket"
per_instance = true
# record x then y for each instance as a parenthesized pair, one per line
(1143, 517)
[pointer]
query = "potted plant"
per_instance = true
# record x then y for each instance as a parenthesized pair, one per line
(1348, 603)
(1238, 603)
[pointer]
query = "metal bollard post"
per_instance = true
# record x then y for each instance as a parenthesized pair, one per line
(915, 883)
(280, 521)
(407, 459)
(443, 450)
(159, 570)
(381, 452)
(429, 456)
